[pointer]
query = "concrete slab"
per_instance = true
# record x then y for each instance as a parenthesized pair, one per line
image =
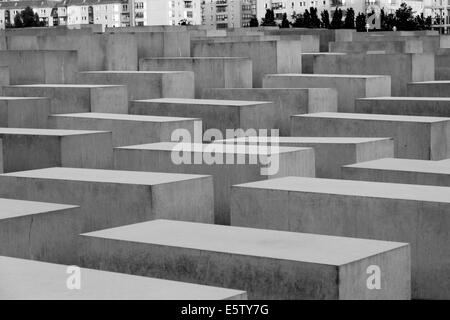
(67, 98)
(1, 156)
(431, 42)
(145, 84)
(26, 149)
(349, 87)
(288, 101)
(4, 77)
(210, 72)
(40, 66)
(402, 68)
(39, 231)
(24, 112)
(330, 152)
(267, 56)
(32, 280)
(411, 106)
(110, 198)
(267, 264)
(163, 44)
(394, 46)
(408, 171)
(126, 129)
(227, 164)
(215, 114)
(426, 138)
(429, 89)
(415, 214)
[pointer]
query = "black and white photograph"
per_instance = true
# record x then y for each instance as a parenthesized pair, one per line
(224, 156)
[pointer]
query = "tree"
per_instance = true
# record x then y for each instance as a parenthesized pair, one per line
(298, 21)
(28, 18)
(325, 19)
(269, 18)
(361, 22)
(405, 19)
(315, 21)
(349, 22)
(307, 19)
(336, 23)
(254, 22)
(285, 22)
(18, 21)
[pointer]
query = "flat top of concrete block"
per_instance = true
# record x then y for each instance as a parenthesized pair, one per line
(123, 117)
(212, 148)
(10, 208)
(367, 116)
(407, 165)
(27, 279)
(105, 176)
(211, 102)
(304, 75)
(302, 247)
(293, 140)
(355, 188)
(324, 53)
(45, 132)
(407, 98)
(197, 58)
(22, 98)
(75, 86)
(431, 82)
(445, 162)
(132, 72)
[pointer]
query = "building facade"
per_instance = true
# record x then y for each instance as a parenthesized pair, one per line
(228, 13)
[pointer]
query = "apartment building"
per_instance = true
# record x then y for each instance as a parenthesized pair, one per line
(228, 13)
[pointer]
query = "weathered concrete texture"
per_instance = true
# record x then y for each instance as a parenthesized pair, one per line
(431, 42)
(4, 77)
(411, 106)
(402, 68)
(126, 129)
(1, 156)
(95, 51)
(287, 101)
(215, 114)
(429, 89)
(43, 66)
(56, 30)
(424, 172)
(32, 280)
(267, 56)
(415, 214)
(227, 164)
(396, 46)
(110, 198)
(67, 98)
(330, 153)
(442, 64)
(26, 149)
(163, 44)
(308, 60)
(21, 112)
(145, 84)
(426, 138)
(213, 72)
(267, 264)
(349, 87)
(445, 162)
(39, 231)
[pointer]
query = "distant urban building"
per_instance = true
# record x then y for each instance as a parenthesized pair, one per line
(228, 13)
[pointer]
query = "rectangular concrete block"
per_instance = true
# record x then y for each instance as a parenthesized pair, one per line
(288, 101)
(395, 46)
(215, 114)
(267, 56)
(349, 87)
(26, 149)
(39, 231)
(429, 89)
(442, 66)
(110, 198)
(415, 214)
(145, 84)
(410, 106)
(126, 129)
(67, 98)
(33, 280)
(163, 44)
(424, 172)
(40, 66)
(330, 153)
(210, 72)
(431, 42)
(426, 138)
(267, 264)
(4, 77)
(402, 68)
(1, 156)
(24, 112)
(227, 164)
